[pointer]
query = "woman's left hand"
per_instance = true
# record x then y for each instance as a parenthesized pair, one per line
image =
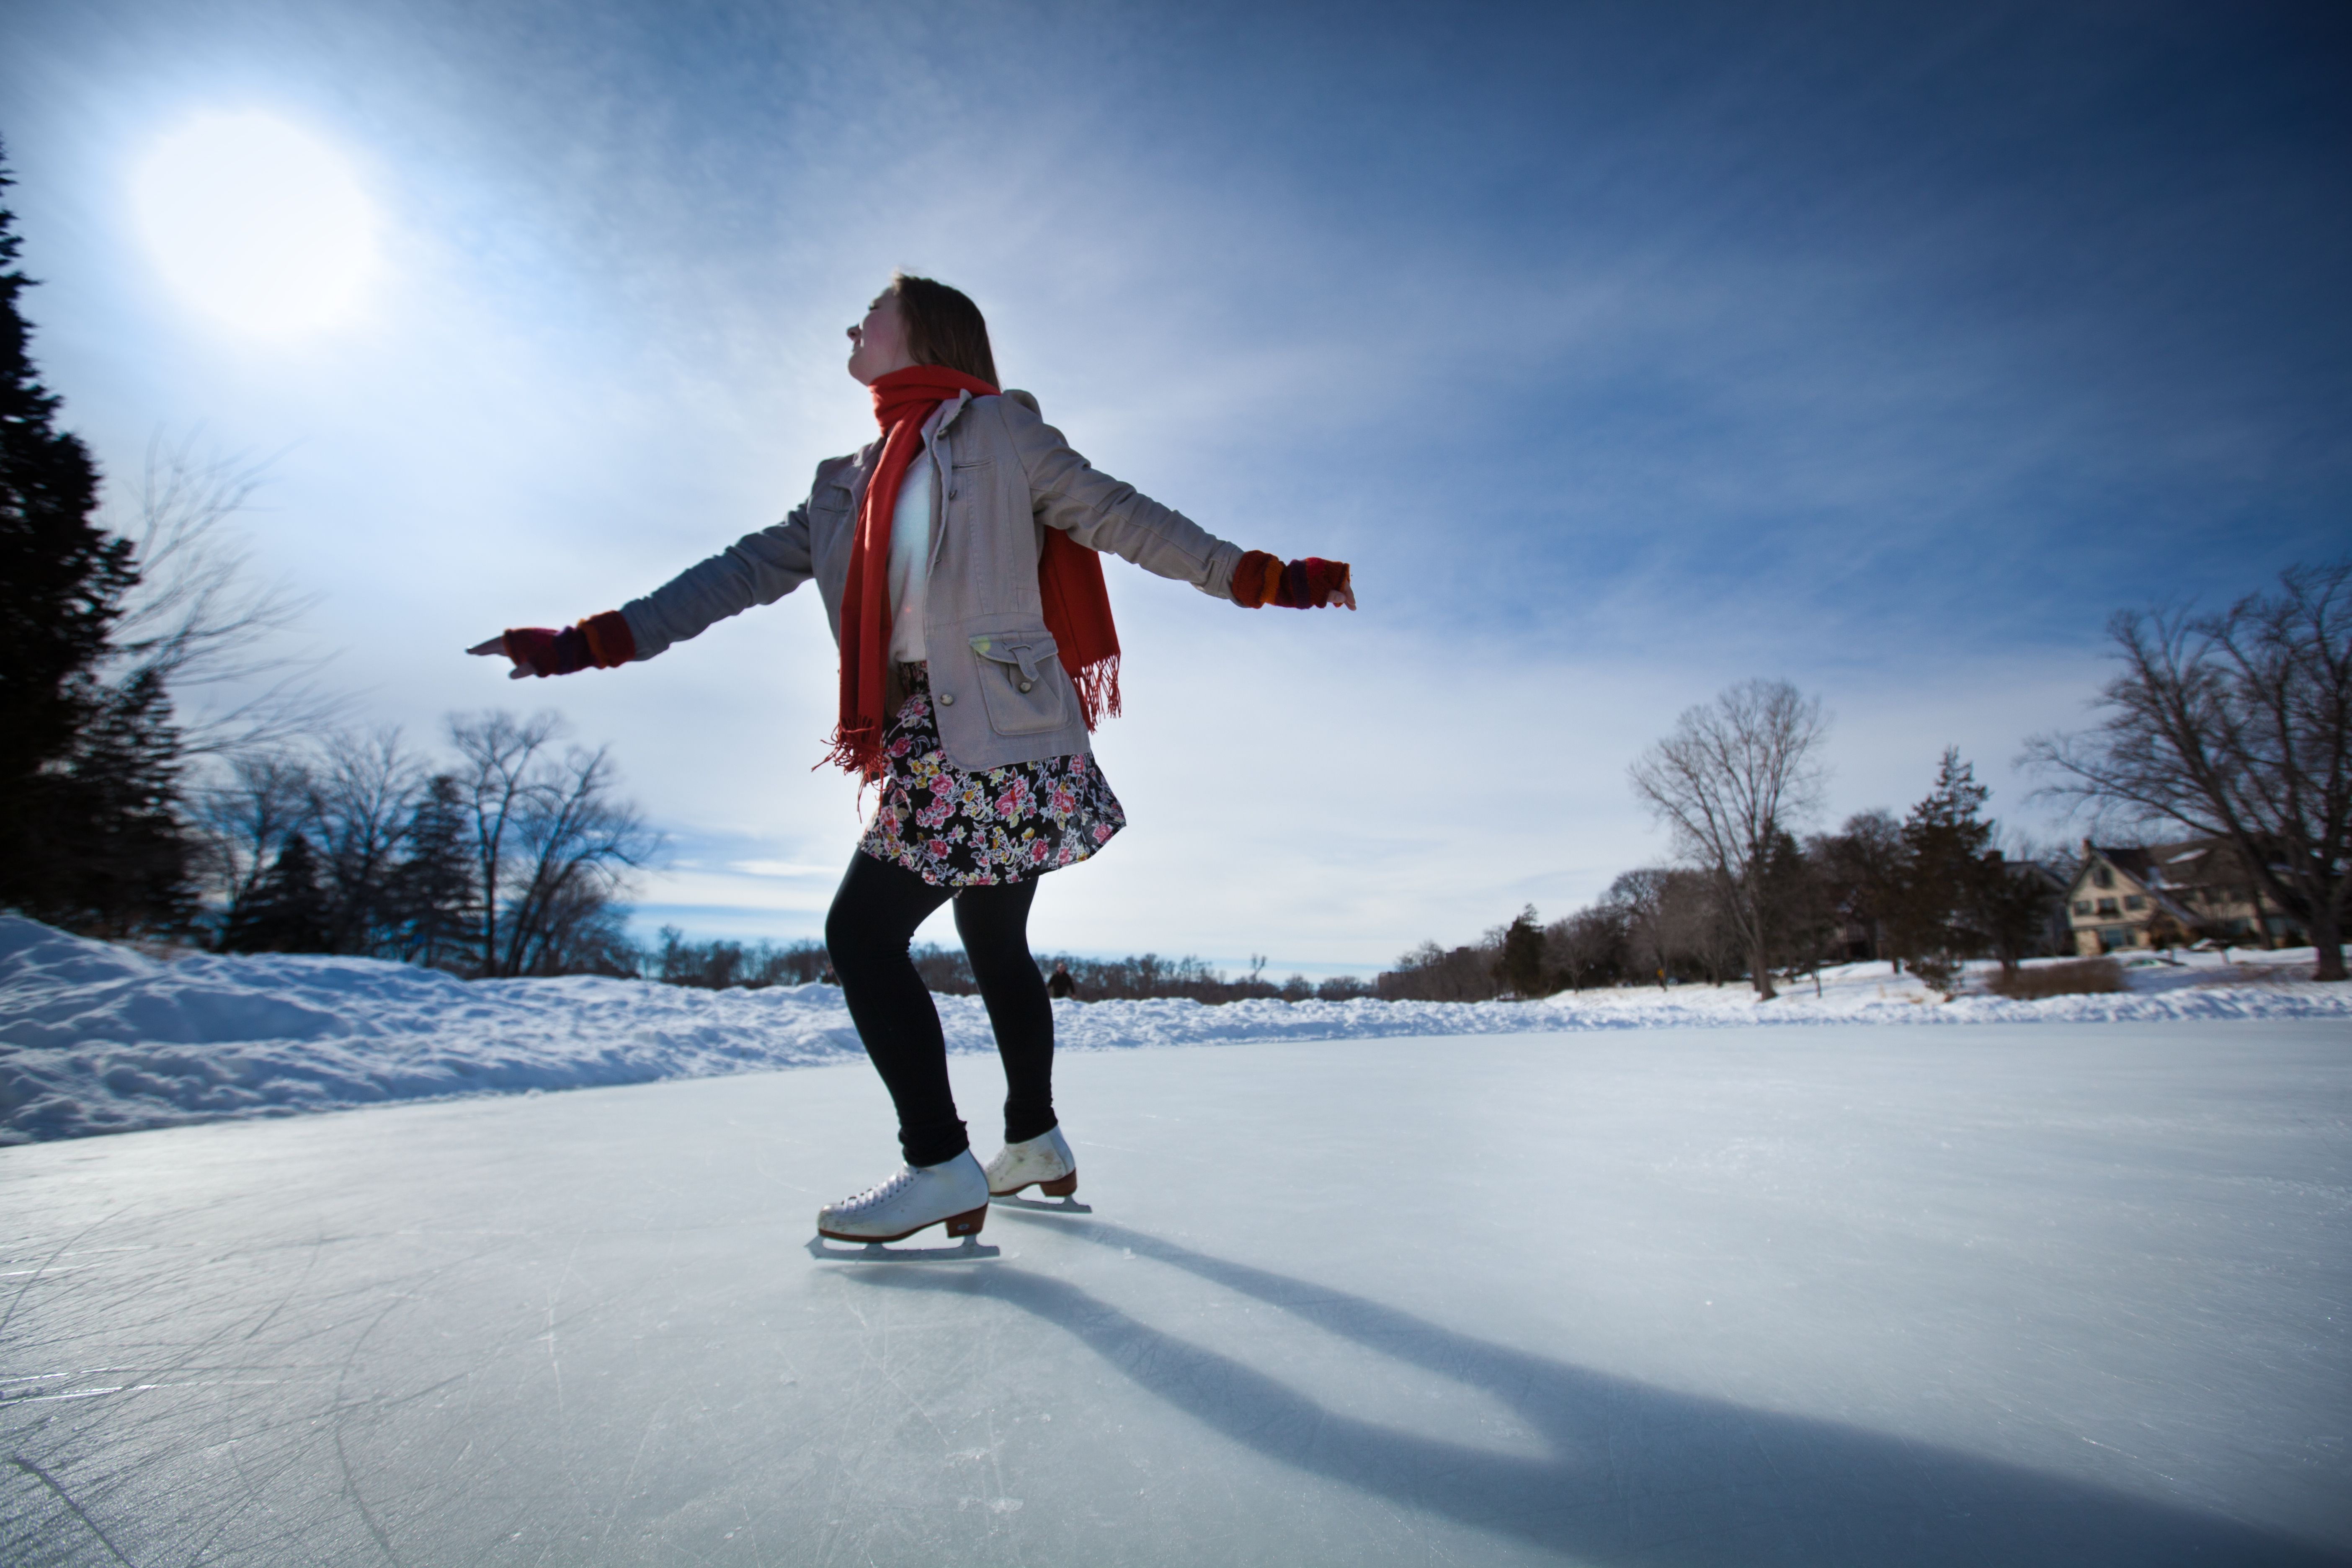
(1310, 583)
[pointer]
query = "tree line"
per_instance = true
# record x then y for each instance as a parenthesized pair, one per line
(720, 963)
(1926, 892)
(2234, 725)
(503, 857)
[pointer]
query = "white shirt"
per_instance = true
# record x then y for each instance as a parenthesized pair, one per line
(910, 560)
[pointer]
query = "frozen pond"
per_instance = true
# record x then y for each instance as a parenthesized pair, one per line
(2049, 1294)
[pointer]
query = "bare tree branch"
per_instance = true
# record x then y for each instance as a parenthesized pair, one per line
(242, 818)
(2235, 726)
(497, 786)
(1728, 781)
(201, 623)
(551, 841)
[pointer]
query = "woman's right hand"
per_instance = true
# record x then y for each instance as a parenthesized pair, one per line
(600, 642)
(496, 648)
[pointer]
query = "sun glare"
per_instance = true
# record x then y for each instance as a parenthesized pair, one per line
(257, 222)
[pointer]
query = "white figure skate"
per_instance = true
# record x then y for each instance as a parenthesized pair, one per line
(953, 1192)
(1044, 1162)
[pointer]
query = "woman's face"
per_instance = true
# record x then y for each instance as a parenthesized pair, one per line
(878, 345)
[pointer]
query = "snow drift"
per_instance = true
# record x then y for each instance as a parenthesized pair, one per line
(96, 1038)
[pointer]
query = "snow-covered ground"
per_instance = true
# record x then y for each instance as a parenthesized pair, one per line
(100, 1039)
(2045, 1296)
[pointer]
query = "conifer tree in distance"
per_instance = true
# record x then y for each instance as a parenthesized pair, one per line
(1945, 843)
(89, 837)
(288, 909)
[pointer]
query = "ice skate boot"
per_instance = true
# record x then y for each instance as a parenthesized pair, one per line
(953, 1192)
(1044, 1162)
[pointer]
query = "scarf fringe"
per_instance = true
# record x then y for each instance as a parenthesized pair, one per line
(855, 752)
(1097, 686)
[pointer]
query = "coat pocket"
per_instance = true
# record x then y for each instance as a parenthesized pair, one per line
(1021, 681)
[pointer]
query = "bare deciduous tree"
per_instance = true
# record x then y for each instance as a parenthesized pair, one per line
(243, 818)
(200, 624)
(361, 802)
(495, 785)
(1693, 927)
(1861, 863)
(550, 841)
(1640, 894)
(1433, 973)
(1588, 946)
(577, 843)
(1730, 779)
(2235, 726)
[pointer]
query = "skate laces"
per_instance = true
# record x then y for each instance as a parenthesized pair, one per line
(884, 1193)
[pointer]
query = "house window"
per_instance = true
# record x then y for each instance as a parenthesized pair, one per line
(2107, 906)
(2081, 906)
(2135, 902)
(2103, 877)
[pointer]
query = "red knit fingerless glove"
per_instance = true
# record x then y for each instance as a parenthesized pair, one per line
(1301, 584)
(600, 642)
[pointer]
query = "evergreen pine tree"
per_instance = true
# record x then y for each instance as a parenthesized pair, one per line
(1945, 845)
(89, 779)
(433, 890)
(289, 911)
(1520, 966)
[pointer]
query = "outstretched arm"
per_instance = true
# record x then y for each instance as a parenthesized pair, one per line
(756, 569)
(1103, 513)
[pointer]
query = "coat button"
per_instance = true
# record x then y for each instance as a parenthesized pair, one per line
(1024, 686)
(947, 698)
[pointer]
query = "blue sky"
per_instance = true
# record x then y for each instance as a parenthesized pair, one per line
(1627, 351)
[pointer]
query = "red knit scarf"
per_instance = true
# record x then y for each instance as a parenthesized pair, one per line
(1069, 581)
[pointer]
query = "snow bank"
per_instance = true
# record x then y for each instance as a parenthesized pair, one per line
(100, 1038)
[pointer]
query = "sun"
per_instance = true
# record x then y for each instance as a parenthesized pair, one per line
(258, 223)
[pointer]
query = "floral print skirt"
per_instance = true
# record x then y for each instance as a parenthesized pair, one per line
(958, 829)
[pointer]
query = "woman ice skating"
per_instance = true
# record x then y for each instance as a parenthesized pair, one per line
(957, 558)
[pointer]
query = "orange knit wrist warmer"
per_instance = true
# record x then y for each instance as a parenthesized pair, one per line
(1305, 584)
(609, 642)
(1257, 580)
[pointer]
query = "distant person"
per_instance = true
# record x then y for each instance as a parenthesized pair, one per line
(1059, 985)
(956, 558)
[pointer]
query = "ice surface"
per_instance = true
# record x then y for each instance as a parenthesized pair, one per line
(99, 1038)
(2056, 1294)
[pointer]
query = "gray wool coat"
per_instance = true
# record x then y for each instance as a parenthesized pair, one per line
(1000, 477)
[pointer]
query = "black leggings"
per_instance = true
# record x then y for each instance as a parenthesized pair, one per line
(867, 932)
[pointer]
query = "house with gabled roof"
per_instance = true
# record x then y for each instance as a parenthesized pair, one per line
(2163, 895)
